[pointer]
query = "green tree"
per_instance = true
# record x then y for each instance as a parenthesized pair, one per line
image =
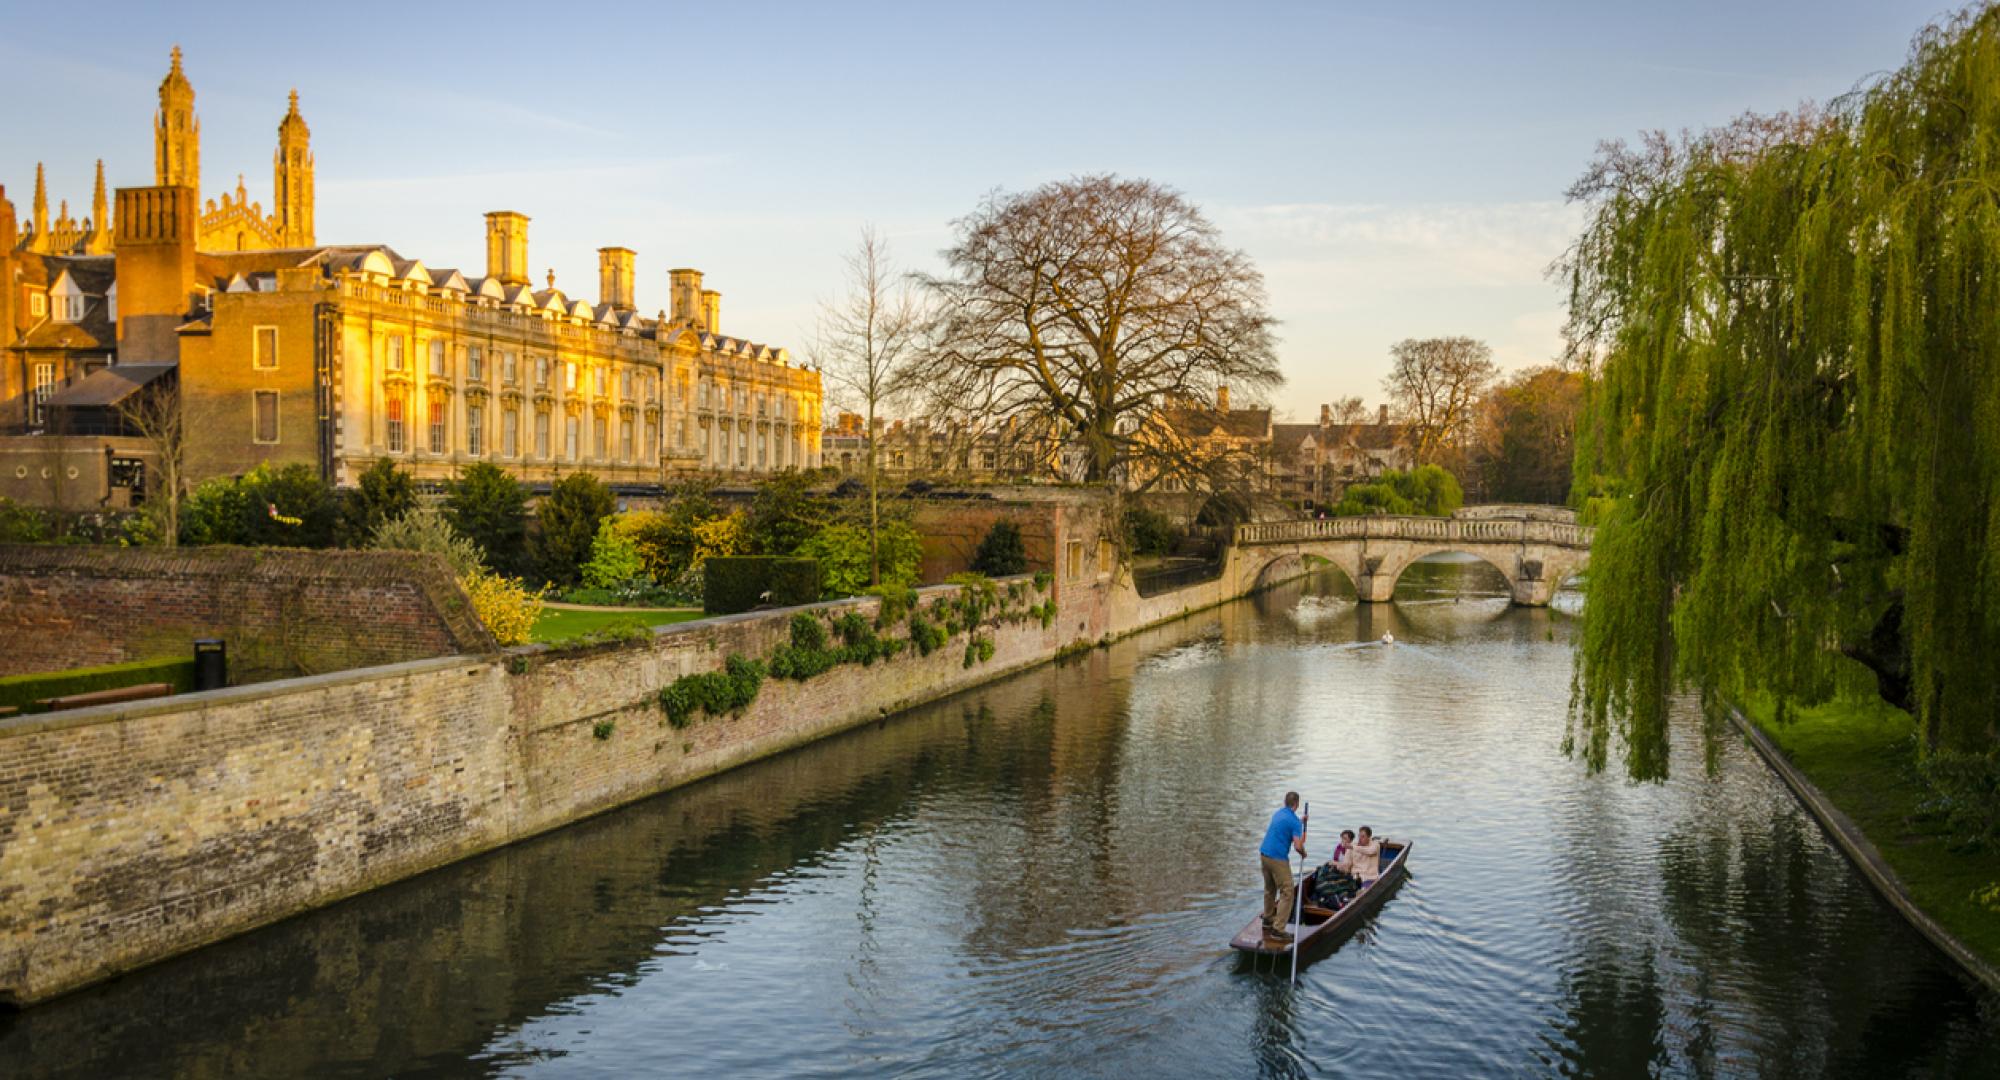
(1798, 401)
(842, 551)
(614, 557)
(1525, 440)
(382, 493)
(489, 507)
(425, 529)
(785, 513)
(283, 507)
(567, 525)
(1426, 489)
(1000, 551)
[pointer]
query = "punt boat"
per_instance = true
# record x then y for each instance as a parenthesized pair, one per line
(1320, 924)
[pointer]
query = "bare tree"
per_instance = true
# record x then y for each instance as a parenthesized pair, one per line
(1349, 410)
(154, 415)
(1435, 382)
(864, 340)
(1086, 305)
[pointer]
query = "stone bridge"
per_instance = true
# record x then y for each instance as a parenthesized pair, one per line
(1536, 548)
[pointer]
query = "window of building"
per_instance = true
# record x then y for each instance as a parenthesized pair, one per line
(569, 374)
(988, 459)
(507, 372)
(899, 459)
(1076, 558)
(264, 425)
(475, 364)
(510, 434)
(264, 348)
(625, 384)
(392, 414)
(570, 429)
(652, 440)
(437, 425)
(681, 434)
(475, 430)
(625, 441)
(437, 356)
(542, 435)
(600, 447)
(742, 400)
(395, 352)
(45, 385)
(704, 394)
(599, 379)
(38, 303)
(1104, 556)
(762, 444)
(541, 371)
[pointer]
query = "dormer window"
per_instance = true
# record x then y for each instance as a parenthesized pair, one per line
(38, 303)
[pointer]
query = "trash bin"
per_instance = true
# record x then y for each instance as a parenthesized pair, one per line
(211, 664)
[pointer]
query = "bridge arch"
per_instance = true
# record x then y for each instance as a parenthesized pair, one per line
(1393, 571)
(1536, 552)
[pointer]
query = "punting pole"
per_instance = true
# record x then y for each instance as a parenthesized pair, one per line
(1298, 896)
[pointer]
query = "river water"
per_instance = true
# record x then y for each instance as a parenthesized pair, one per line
(1039, 878)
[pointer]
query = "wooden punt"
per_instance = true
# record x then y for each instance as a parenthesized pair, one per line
(1321, 924)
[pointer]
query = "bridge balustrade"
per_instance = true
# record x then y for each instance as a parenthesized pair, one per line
(1430, 529)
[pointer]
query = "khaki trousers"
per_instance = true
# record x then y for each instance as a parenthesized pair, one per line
(1278, 889)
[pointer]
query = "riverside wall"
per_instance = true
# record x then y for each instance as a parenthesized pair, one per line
(130, 833)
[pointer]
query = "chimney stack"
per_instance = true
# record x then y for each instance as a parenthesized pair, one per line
(154, 269)
(1382, 416)
(711, 311)
(507, 247)
(1222, 399)
(1325, 415)
(614, 277)
(687, 296)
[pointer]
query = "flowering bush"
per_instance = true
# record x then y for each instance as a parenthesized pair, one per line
(506, 606)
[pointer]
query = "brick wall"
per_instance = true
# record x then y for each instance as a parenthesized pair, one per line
(281, 611)
(131, 833)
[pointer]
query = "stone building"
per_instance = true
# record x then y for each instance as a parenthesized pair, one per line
(284, 350)
(1311, 465)
(945, 452)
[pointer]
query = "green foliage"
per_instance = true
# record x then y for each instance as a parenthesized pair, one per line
(22, 691)
(567, 522)
(1965, 795)
(23, 524)
(381, 494)
(639, 592)
(896, 601)
(603, 729)
(1151, 532)
(841, 549)
(622, 630)
(614, 558)
(489, 507)
(978, 650)
(977, 596)
(716, 693)
(1798, 396)
(425, 529)
(926, 635)
(1044, 612)
(1426, 489)
(283, 507)
(1000, 551)
(743, 582)
(1528, 451)
(1043, 579)
(785, 514)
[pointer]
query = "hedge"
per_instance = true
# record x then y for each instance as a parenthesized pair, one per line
(739, 582)
(22, 691)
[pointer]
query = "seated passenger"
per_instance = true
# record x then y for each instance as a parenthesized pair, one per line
(1367, 856)
(1343, 852)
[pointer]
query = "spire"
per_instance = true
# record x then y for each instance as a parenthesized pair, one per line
(99, 240)
(177, 131)
(292, 179)
(39, 213)
(98, 206)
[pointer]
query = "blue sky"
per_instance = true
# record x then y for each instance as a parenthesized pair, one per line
(1396, 170)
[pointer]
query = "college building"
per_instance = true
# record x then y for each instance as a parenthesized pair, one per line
(274, 348)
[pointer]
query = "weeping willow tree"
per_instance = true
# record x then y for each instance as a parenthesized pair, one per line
(1792, 437)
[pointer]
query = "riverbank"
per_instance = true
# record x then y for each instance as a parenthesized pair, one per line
(1858, 761)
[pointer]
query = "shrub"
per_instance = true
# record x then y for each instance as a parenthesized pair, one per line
(785, 513)
(1000, 551)
(568, 520)
(978, 650)
(841, 549)
(977, 596)
(381, 494)
(1151, 532)
(614, 557)
(740, 583)
(489, 507)
(603, 729)
(1428, 490)
(926, 635)
(505, 605)
(896, 601)
(284, 507)
(1043, 579)
(22, 691)
(23, 524)
(716, 692)
(425, 529)
(1965, 795)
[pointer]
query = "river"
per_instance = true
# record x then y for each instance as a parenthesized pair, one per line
(1039, 878)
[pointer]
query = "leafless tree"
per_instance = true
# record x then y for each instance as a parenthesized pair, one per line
(1085, 306)
(864, 340)
(1434, 383)
(1350, 410)
(155, 416)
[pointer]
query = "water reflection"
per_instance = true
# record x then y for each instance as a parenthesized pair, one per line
(1039, 878)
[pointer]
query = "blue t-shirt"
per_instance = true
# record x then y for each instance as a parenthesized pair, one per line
(1285, 827)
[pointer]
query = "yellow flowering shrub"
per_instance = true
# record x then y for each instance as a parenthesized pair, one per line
(506, 606)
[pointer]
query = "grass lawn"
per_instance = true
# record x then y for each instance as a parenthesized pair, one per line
(1861, 755)
(562, 625)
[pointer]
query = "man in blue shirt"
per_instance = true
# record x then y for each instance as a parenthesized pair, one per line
(1285, 835)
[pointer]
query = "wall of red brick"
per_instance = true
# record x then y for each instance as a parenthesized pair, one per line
(280, 611)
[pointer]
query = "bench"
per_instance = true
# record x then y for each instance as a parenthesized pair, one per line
(107, 697)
